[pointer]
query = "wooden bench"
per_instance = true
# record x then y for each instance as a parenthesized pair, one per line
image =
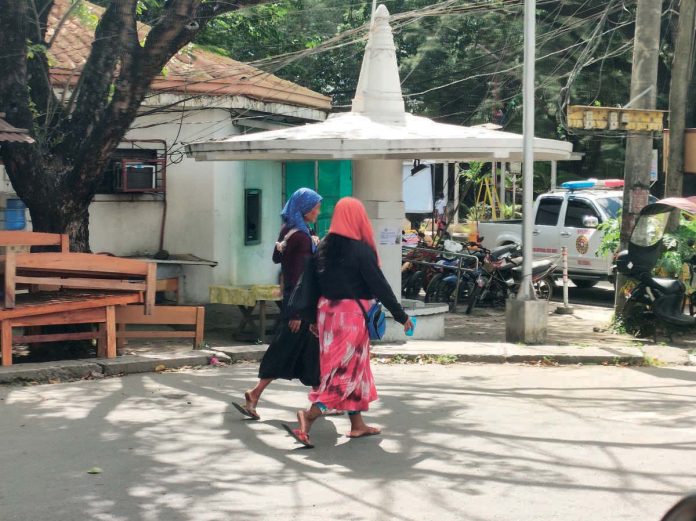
(78, 270)
(18, 238)
(162, 315)
(63, 308)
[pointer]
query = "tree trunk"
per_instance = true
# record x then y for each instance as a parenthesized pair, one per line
(681, 74)
(639, 146)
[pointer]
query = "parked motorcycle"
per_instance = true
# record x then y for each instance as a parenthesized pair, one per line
(415, 275)
(443, 286)
(500, 275)
(653, 299)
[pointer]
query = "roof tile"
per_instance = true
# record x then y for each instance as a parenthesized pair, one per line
(190, 71)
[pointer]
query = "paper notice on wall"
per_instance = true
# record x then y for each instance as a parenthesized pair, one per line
(389, 236)
(653, 166)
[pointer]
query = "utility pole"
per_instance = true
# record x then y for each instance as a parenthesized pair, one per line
(678, 96)
(639, 145)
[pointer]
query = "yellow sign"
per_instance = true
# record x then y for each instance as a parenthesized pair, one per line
(615, 118)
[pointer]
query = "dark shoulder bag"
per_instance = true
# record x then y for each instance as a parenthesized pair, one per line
(305, 295)
(375, 319)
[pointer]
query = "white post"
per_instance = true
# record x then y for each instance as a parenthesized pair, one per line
(456, 192)
(445, 184)
(502, 187)
(526, 291)
(378, 184)
(564, 253)
(554, 164)
(526, 317)
(565, 309)
(492, 188)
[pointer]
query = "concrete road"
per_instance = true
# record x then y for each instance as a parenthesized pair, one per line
(600, 295)
(460, 442)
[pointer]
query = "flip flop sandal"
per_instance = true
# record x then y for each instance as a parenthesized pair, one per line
(251, 413)
(300, 437)
(364, 434)
(332, 412)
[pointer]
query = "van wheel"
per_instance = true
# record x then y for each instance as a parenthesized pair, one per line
(584, 283)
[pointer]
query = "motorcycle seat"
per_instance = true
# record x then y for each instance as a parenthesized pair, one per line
(538, 267)
(496, 253)
(668, 286)
(668, 308)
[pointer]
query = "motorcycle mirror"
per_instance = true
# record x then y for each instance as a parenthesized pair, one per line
(590, 221)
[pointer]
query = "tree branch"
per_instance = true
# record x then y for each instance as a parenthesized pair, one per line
(178, 25)
(115, 37)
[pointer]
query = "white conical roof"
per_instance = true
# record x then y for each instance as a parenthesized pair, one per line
(378, 94)
(378, 126)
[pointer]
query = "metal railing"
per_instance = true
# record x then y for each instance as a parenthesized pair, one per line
(458, 267)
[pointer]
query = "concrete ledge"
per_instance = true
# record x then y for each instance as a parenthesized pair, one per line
(510, 353)
(129, 364)
(47, 371)
(251, 353)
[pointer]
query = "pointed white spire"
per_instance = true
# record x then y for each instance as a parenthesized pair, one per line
(379, 87)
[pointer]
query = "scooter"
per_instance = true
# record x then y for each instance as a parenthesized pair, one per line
(500, 275)
(653, 299)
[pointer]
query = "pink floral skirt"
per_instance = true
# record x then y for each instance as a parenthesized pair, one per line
(346, 382)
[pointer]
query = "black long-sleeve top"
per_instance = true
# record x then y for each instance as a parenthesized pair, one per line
(350, 271)
(292, 259)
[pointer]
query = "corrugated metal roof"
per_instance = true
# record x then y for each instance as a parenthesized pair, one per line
(8, 133)
(190, 71)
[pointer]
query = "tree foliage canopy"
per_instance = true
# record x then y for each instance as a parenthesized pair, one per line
(461, 62)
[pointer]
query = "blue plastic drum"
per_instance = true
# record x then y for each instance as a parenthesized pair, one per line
(15, 214)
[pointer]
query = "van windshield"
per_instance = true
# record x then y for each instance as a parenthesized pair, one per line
(612, 205)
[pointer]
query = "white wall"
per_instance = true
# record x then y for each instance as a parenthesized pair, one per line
(195, 222)
(253, 263)
(205, 209)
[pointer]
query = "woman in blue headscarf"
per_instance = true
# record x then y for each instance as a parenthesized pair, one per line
(294, 353)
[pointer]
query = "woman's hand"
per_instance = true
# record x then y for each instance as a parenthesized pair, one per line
(294, 325)
(408, 325)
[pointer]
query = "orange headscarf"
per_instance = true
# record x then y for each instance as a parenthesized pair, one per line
(350, 220)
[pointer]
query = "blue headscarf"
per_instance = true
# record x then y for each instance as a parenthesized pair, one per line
(301, 202)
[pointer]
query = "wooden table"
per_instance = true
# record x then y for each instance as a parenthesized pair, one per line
(247, 299)
(170, 272)
(62, 308)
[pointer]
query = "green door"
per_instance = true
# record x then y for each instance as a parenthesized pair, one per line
(332, 179)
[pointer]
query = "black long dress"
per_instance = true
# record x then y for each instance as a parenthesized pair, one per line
(292, 355)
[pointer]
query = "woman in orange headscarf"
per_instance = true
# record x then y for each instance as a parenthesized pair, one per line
(348, 272)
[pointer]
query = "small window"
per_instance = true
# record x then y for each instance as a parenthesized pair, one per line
(252, 216)
(577, 209)
(548, 210)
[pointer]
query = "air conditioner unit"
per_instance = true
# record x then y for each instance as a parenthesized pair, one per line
(135, 177)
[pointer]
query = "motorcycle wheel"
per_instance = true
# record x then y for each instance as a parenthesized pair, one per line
(473, 299)
(405, 278)
(432, 291)
(412, 289)
(638, 319)
(466, 287)
(544, 288)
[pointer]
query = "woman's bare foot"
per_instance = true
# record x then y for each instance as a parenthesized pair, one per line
(251, 402)
(364, 431)
(305, 421)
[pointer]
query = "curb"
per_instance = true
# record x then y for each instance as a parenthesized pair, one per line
(61, 371)
(521, 359)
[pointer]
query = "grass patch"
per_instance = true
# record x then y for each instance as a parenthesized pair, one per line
(419, 359)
